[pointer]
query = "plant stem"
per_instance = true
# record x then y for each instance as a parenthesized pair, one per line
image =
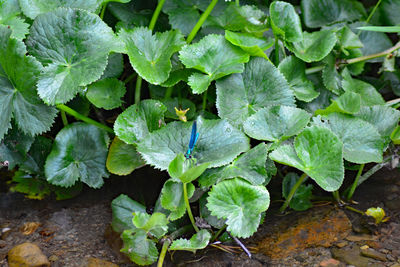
(103, 11)
(355, 210)
(189, 211)
(64, 118)
(354, 185)
(364, 58)
(164, 248)
(370, 15)
(200, 22)
(237, 3)
(205, 100)
(218, 233)
(156, 14)
(293, 191)
(314, 69)
(276, 51)
(393, 102)
(81, 117)
(137, 89)
(168, 92)
(130, 77)
(336, 196)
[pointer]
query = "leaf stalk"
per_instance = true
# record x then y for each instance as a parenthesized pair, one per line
(164, 248)
(302, 178)
(187, 204)
(354, 185)
(200, 22)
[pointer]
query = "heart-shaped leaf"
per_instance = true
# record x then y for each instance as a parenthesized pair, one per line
(79, 153)
(317, 152)
(276, 123)
(137, 121)
(285, 22)
(214, 56)
(250, 166)
(241, 203)
(218, 143)
(172, 198)
(314, 46)
(123, 158)
(18, 96)
(294, 71)
(123, 208)
(253, 45)
(260, 85)
(301, 199)
(197, 241)
(150, 55)
(106, 93)
(73, 45)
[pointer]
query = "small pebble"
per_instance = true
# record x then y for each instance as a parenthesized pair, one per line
(371, 253)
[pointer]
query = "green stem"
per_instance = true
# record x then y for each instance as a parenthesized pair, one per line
(293, 191)
(314, 69)
(372, 56)
(137, 89)
(355, 210)
(200, 22)
(336, 196)
(237, 3)
(81, 117)
(276, 51)
(130, 78)
(168, 92)
(103, 11)
(218, 233)
(64, 118)
(156, 14)
(370, 15)
(205, 100)
(354, 185)
(164, 248)
(189, 211)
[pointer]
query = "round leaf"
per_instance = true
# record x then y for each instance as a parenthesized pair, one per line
(383, 118)
(136, 122)
(285, 21)
(317, 152)
(79, 153)
(197, 241)
(123, 158)
(260, 85)
(276, 123)
(240, 203)
(219, 143)
(214, 56)
(106, 93)
(73, 44)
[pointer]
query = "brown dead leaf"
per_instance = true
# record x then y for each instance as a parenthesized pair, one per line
(29, 228)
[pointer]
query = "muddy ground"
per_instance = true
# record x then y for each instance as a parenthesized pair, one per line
(72, 231)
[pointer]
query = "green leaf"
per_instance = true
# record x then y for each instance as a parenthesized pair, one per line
(33, 8)
(137, 121)
(172, 198)
(362, 143)
(197, 241)
(219, 143)
(318, 13)
(294, 71)
(254, 46)
(123, 208)
(330, 75)
(184, 170)
(318, 152)
(348, 39)
(240, 203)
(390, 29)
(214, 56)
(384, 118)
(138, 247)
(150, 55)
(260, 85)
(285, 22)
(276, 123)
(79, 153)
(156, 224)
(180, 104)
(390, 12)
(73, 45)
(106, 93)
(378, 214)
(347, 103)
(115, 66)
(10, 16)
(183, 18)
(35, 159)
(32, 187)
(250, 166)
(395, 136)
(18, 96)
(369, 95)
(301, 199)
(205, 213)
(314, 46)
(123, 158)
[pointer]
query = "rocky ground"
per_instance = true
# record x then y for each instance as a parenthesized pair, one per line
(76, 232)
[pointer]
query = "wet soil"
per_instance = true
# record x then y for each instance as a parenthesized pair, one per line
(72, 231)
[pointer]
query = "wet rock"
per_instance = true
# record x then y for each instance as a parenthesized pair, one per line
(357, 238)
(27, 254)
(350, 256)
(371, 253)
(93, 262)
(314, 228)
(330, 263)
